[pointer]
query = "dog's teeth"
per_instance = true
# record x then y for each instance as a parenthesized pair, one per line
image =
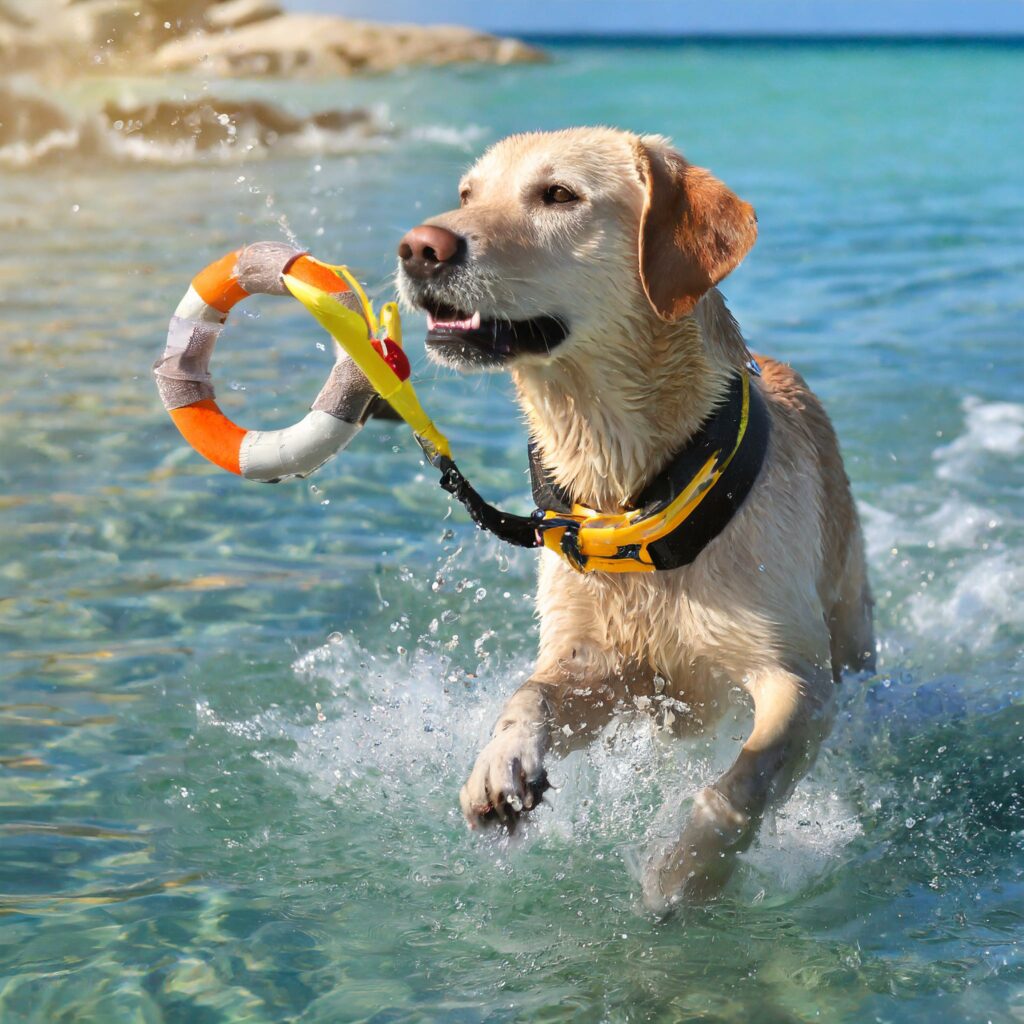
(469, 324)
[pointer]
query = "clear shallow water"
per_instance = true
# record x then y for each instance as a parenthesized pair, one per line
(234, 718)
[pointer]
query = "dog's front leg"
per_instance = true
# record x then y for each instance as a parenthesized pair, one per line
(558, 710)
(792, 714)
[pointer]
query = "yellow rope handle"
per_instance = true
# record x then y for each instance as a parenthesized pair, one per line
(348, 329)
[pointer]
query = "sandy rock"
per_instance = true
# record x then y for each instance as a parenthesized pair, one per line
(235, 14)
(10, 15)
(320, 45)
(225, 37)
(102, 23)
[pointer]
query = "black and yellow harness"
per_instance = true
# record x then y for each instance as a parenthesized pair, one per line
(669, 522)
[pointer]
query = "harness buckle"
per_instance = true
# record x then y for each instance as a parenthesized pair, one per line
(570, 545)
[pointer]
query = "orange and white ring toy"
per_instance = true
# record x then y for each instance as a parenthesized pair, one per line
(186, 387)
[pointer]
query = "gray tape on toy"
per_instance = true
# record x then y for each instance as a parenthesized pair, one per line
(272, 455)
(260, 266)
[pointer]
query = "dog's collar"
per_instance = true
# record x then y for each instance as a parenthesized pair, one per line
(683, 508)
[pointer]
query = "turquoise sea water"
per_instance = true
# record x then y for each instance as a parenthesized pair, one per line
(234, 718)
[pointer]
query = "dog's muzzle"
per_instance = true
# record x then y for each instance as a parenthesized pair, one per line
(431, 260)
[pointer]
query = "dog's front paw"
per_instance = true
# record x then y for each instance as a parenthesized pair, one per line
(508, 779)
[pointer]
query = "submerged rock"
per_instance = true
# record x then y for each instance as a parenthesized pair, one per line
(35, 130)
(27, 118)
(217, 124)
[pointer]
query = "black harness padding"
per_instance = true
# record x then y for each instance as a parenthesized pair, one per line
(718, 433)
(723, 436)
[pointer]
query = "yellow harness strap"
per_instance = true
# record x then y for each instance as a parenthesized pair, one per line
(593, 541)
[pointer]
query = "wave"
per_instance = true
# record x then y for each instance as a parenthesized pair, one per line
(949, 519)
(992, 429)
(464, 138)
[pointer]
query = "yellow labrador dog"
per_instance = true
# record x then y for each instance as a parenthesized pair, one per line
(585, 263)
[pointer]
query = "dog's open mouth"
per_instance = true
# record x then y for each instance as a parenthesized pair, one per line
(469, 339)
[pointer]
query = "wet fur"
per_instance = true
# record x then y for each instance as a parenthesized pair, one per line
(779, 602)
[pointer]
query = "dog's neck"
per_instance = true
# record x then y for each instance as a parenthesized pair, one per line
(607, 415)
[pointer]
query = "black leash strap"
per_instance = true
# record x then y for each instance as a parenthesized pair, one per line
(518, 530)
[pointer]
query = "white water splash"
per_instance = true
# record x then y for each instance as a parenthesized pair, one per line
(983, 600)
(413, 725)
(992, 428)
(464, 138)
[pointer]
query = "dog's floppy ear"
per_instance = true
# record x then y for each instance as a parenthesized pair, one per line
(693, 230)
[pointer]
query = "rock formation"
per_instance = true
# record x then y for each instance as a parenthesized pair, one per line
(226, 37)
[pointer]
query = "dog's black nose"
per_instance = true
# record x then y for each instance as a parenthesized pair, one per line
(429, 250)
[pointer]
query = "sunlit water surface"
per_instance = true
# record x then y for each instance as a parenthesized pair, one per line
(235, 718)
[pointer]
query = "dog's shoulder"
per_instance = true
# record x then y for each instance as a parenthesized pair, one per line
(791, 401)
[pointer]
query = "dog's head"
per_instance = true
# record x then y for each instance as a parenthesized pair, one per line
(567, 237)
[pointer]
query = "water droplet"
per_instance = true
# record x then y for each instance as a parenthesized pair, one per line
(761, 567)
(910, 823)
(321, 346)
(334, 638)
(480, 594)
(448, 615)
(503, 563)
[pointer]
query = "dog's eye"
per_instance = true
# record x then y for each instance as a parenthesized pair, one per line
(559, 194)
